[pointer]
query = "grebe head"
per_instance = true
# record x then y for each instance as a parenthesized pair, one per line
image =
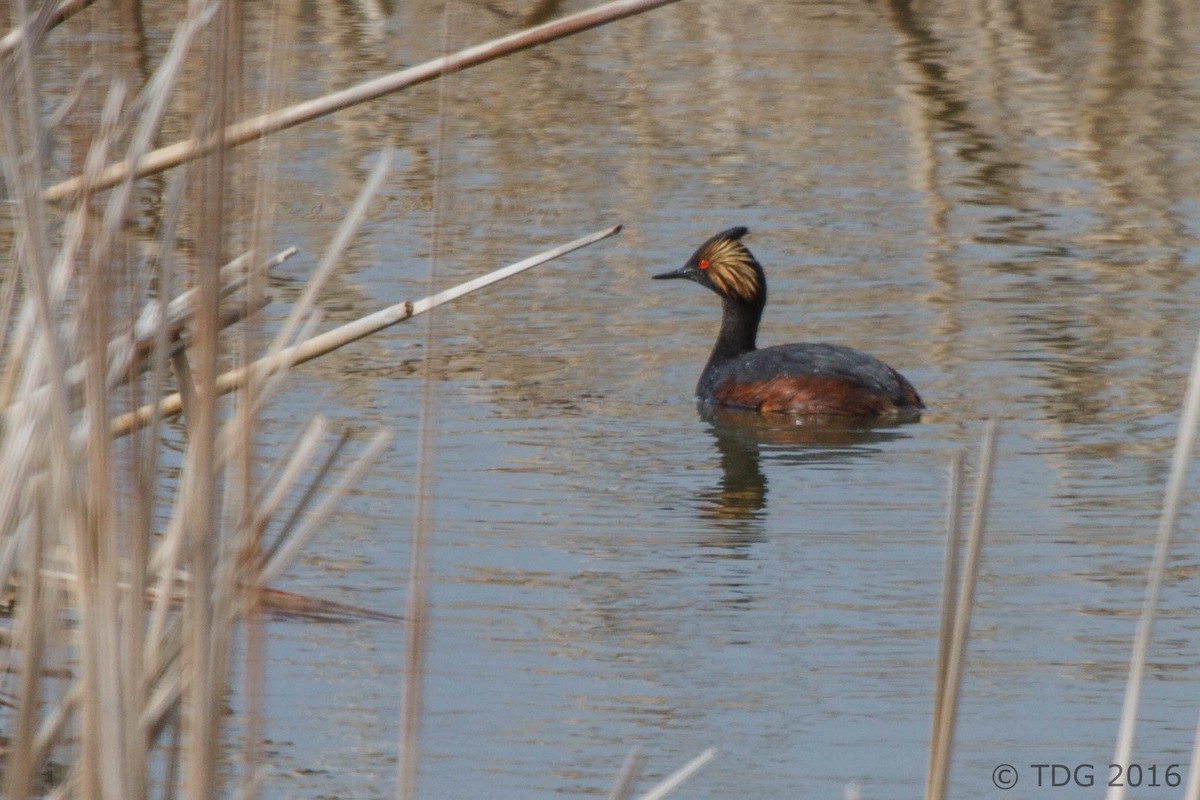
(724, 265)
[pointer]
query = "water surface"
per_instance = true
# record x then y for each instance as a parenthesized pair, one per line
(1000, 201)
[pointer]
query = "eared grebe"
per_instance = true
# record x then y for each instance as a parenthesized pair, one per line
(801, 379)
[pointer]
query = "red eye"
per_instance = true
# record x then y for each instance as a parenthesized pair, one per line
(703, 263)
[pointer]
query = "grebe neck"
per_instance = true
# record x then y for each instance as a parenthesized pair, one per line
(739, 330)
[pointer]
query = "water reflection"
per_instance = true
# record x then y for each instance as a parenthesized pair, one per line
(744, 437)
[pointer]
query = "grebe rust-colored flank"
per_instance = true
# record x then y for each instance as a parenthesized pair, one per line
(799, 379)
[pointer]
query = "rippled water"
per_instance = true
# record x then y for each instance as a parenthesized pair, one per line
(1000, 200)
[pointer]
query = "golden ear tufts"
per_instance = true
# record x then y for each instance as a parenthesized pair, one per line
(731, 269)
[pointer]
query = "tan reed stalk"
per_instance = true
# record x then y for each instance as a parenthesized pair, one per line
(127, 350)
(1192, 790)
(258, 387)
(280, 60)
(350, 332)
(337, 248)
(1168, 521)
(8, 302)
(39, 438)
(416, 607)
(288, 469)
(19, 772)
(251, 129)
(301, 506)
(30, 32)
(947, 704)
(128, 595)
(132, 344)
(950, 567)
(108, 750)
(22, 177)
(283, 556)
(145, 476)
(61, 273)
(53, 289)
(215, 596)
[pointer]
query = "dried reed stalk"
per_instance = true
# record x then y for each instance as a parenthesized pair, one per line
(416, 606)
(345, 334)
(210, 606)
(948, 688)
(950, 569)
(129, 351)
(30, 32)
(1168, 521)
(131, 586)
(248, 130)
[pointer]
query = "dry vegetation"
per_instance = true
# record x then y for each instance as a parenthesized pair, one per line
(133, 548)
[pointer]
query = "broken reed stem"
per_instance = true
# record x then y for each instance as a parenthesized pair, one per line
(302, 318)
(287, 471)
(251, 129)
(1167, 523)
(946, 700)
(134, 345)
(345, 334)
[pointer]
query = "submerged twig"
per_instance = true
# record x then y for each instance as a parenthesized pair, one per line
(289, 605)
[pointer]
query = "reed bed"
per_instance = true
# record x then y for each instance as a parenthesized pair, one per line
(133, 549)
